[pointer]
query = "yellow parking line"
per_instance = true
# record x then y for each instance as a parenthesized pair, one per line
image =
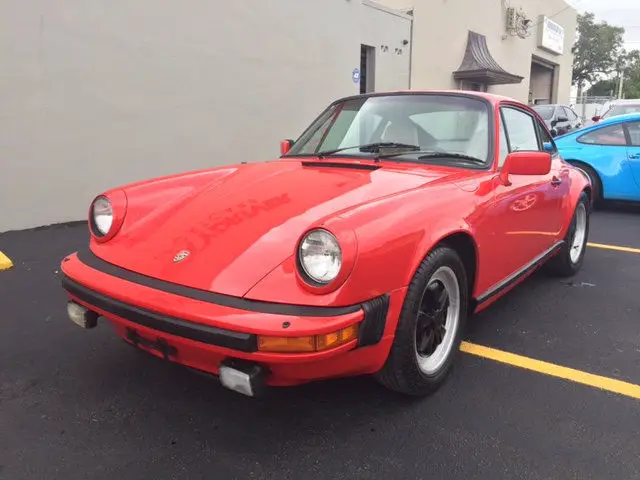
(614, 247)
(604, 383)
(5, 262)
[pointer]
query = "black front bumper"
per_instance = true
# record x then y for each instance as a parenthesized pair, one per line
(244, 342)
(370, 332)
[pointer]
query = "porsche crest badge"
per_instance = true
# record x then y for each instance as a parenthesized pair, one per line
(181, 255)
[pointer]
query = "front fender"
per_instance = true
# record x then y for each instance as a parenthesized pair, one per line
(393, 236)
(159, 196)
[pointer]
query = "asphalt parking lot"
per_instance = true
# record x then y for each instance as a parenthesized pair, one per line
(76, 404)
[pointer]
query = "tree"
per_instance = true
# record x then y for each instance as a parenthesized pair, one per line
(627, 66)
(596, 51)
(631, 83)
(603, 88)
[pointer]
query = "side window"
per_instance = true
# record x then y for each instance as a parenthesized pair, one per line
(521, 130)
(611, 135)
(634, 133)
(311, 140)
(571, 115)
(504, 145)
(546, 139)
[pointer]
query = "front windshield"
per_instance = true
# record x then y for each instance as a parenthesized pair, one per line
(621, 110)
(545, 112)
(454, 124)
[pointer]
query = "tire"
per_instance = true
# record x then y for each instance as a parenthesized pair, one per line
(596, 185)
(407, 371)
(565, 263)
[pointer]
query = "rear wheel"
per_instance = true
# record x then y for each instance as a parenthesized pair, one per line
(569, 259)
(430, 327)
(596, 186)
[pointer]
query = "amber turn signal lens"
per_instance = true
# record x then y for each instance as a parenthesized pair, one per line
(314, 343)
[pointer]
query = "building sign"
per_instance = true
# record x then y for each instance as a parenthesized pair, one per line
(550, 35)
(355, 75)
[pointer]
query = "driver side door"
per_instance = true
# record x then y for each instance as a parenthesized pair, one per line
(633, 152)
(528, 211)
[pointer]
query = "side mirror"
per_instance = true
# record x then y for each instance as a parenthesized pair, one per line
(285, 146)
(562, 119)
(525, 163)
(596, 118)
(548, 146)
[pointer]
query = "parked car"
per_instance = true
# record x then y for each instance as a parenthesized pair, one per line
(361, 250)
(608, 152)
(617, 107)
(560, 119)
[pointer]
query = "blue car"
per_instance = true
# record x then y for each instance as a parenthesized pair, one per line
(608, 152)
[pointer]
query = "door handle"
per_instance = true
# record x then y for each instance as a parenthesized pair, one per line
(555, 181)
(634, 156)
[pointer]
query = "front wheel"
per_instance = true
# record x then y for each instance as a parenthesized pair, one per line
(568, 260)
(430, 326)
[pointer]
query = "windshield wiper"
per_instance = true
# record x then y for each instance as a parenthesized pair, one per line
(370, 147)
(423, 155)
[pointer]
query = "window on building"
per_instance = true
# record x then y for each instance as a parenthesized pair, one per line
(473, 86)
(521, 130)
(367, 69)
(611, 135)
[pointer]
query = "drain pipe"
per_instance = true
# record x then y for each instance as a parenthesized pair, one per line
(410, 12)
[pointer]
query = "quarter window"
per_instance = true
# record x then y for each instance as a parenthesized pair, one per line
(611, 135)
(546, 138)
(571, 115)
(521, 130)
(634, 133)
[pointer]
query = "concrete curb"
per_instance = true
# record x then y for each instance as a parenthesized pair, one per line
(5, 262)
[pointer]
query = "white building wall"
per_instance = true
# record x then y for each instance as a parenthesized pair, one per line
(386, 29)
(97, 94)
(440, 37)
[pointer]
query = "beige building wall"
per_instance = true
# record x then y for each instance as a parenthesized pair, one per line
(98, 94)
(440, 37)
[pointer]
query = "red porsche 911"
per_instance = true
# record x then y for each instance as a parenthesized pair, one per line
(362, 250)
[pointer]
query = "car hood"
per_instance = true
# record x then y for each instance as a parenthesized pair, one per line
(238, 229)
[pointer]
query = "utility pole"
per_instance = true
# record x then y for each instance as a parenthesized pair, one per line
(620, 84)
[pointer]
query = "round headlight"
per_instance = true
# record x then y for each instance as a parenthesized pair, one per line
(102, 214)
(320, 256)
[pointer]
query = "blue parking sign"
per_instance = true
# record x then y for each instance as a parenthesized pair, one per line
(356, 75)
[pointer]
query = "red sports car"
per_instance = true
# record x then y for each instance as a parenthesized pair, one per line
(361, 250)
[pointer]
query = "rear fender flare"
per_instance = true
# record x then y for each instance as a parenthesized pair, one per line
(578, 185)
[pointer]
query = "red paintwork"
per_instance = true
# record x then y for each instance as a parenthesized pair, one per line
(525, 163)
(242, 224)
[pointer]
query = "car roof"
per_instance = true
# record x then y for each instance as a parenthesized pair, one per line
(633, 117)
(625, 101)
(491, 97)
(620, 118)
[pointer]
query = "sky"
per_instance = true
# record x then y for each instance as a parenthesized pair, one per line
(623, 13)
